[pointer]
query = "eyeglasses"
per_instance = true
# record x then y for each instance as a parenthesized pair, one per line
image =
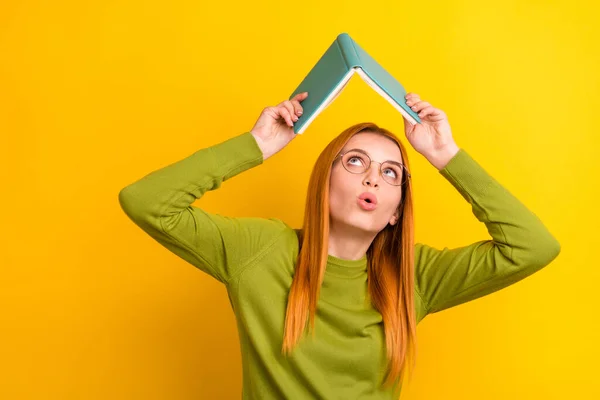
(357, 161)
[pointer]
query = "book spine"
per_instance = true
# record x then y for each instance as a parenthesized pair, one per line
(348, 51)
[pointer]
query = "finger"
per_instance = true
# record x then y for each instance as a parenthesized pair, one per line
(297, 107)
(430, 111)
(290, 107)
(300, 96)
(413, 97)
(285, 114)
(418, 106)
(409, 128)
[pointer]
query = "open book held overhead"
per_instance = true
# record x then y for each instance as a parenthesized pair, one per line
(331, 74)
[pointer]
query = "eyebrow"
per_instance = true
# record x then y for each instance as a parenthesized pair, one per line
(363, 151)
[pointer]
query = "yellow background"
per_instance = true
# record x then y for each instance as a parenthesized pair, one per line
(96, 94)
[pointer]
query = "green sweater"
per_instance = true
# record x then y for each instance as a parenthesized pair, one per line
(254, 257)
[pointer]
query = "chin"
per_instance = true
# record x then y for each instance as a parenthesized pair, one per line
(363, 223)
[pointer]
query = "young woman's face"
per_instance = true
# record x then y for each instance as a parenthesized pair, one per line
(345, 187)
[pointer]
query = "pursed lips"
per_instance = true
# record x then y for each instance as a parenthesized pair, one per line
(367, 201)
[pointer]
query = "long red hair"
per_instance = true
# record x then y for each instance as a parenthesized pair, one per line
(390, 263)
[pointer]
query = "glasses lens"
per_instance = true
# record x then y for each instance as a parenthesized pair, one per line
(393, 174)
(357, 163)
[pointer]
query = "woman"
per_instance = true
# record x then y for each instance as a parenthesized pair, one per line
(352, 275)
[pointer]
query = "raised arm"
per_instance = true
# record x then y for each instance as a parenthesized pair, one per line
(161, 202)
(520, 244)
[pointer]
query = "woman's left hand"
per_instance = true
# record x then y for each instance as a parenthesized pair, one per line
(432, 137)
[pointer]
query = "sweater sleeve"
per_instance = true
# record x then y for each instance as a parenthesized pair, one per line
(160, 204)
(520, 244)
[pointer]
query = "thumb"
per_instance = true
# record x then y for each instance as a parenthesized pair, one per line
(408, 127)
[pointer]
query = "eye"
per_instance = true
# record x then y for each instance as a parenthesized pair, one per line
(355, 162)
(354, 159)
(393, 173)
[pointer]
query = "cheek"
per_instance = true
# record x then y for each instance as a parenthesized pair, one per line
(391, 204)
(340, 192)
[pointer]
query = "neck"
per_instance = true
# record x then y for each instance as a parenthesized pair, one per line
(348, 243)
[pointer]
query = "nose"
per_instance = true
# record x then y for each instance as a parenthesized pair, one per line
(372, 174)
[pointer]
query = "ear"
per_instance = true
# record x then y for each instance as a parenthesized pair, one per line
(394, 218)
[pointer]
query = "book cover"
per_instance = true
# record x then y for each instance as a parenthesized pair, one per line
(326, 80)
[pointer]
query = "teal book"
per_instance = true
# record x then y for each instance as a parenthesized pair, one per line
(333, 71)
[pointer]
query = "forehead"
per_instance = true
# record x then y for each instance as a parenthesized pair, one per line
(379, 147)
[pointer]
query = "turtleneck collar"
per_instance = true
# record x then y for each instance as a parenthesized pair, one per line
(346, 268)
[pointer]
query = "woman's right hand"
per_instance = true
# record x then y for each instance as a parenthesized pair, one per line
(275, 126)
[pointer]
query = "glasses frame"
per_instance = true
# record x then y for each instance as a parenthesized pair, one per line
(408, 175)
